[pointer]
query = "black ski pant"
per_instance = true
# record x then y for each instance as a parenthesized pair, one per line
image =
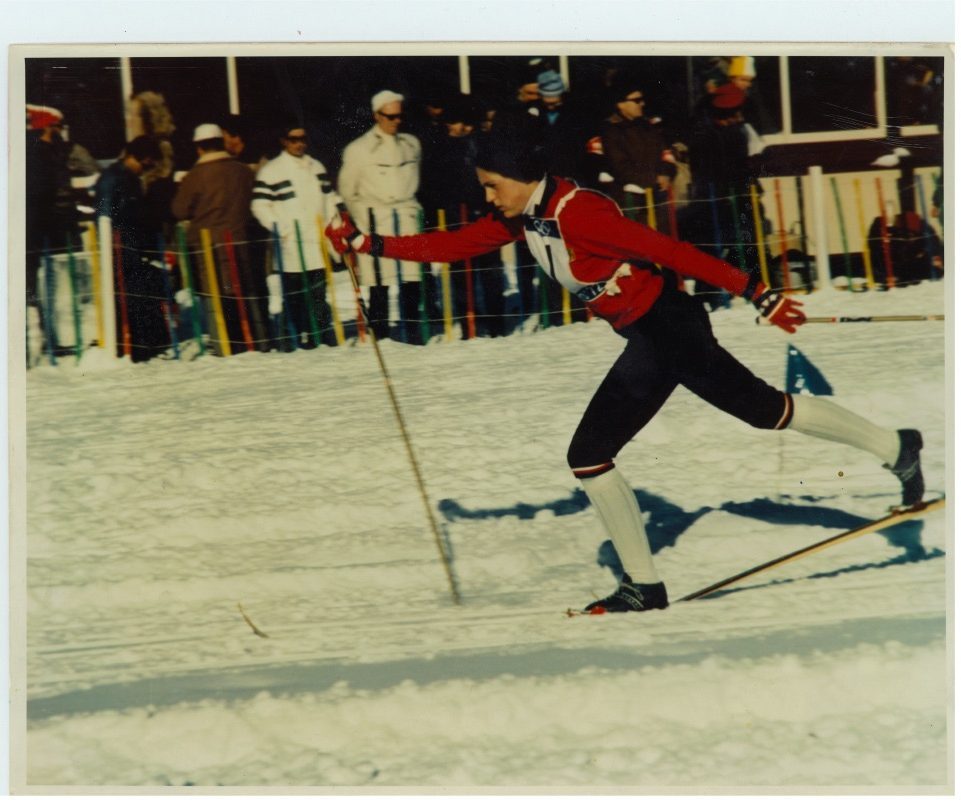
(669, 346)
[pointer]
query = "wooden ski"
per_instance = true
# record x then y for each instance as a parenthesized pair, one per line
(895, 517)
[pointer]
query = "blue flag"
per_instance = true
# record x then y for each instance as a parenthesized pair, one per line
(803, 376)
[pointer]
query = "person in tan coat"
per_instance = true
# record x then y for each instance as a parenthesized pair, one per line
(215, 195)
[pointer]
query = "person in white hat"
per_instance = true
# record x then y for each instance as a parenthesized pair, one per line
(215, 195)
(379, 180)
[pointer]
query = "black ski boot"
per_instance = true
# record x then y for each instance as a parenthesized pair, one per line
(631, 597)
(908, 467)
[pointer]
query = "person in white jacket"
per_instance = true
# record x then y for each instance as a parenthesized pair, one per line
(293, 196)
(379, 179)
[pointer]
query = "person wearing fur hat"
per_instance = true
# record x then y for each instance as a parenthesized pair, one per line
(379, 179)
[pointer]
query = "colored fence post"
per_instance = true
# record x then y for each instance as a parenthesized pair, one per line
(545, 301)
(402, 324)
(518, 278)
(49, 324)
(735, 214)
(96, 278)
(928, 247)
(424, 320)
(75, 299)
(799, 188)
(823, 252)
(865, 245)
(329, 271)
(372, 228)
(238, 289)
(107, 297)
(122, 295)
(718, 237)
(169, 299)
(469, 283)
(214, 287)
(844, 235)
(649, 205)
(885, 236)
(183, 259)
(759, 235)
(782, 235)
(672, 211)
(445, 284)
(308, 293)
(285, 324)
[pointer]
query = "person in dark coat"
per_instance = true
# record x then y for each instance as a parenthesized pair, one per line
(215, 195)
(120, 196)
(720, 219)
(635, 149)
(51, 214)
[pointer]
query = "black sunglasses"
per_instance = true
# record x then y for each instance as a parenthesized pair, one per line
(391, 117)
(296, 138)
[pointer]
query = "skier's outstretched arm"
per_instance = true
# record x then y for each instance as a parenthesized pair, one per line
(482, 236)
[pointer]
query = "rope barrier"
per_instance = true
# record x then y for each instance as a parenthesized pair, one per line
(529, 289)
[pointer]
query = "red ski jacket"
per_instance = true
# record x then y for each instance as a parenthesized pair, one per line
(581, 239)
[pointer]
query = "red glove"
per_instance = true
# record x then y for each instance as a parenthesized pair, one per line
(345, 236)
(778, 310)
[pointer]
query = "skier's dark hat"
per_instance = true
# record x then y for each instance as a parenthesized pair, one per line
(513, 150)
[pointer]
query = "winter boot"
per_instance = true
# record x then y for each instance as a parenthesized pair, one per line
(908, 467)
(631, 597)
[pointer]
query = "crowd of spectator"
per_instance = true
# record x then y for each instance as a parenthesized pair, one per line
(256, 273)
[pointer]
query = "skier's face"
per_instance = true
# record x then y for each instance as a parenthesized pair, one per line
(508, 195)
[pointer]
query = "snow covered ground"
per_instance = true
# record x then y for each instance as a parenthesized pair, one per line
(161, 496)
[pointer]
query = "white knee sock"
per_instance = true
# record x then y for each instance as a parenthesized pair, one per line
(621, 516)
(820, 418)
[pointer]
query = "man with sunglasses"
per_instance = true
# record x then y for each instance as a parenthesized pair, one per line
(379, 180)
(291, 193)
(635, 150)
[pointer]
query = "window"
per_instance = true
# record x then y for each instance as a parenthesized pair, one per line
(914, 89)
(87, 91)
(829, 93)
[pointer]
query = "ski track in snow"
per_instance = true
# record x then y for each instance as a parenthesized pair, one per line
(162, 495)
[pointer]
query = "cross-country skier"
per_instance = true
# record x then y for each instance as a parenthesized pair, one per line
(581, 240)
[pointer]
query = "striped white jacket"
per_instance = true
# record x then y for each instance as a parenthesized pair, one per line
(291, 193)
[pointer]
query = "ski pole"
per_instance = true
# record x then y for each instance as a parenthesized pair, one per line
(873, 319)
(49, 325)
(445, 559)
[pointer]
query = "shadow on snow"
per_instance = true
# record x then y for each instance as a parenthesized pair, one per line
(666, 522)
